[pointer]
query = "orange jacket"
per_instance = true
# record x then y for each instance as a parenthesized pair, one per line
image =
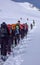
(13, 26)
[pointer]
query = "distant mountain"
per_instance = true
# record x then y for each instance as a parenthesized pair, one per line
(36, 3)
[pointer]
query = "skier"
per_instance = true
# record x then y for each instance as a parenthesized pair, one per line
(26, 28)
(17, 33)
(0, 37)
(10, 42)
(31, 26)
(22, 30)
(13, 34)
(4, 40)
(33, 22)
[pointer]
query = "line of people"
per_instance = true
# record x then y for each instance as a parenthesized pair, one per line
(10, 34)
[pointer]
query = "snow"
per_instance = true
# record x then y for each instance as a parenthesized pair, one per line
(32, 57)
(11, 12)
(28, 51)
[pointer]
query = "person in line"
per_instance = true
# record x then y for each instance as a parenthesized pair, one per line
(4, 40)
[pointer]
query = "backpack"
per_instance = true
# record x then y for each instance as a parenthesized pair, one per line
(3, 31)
(17, 30)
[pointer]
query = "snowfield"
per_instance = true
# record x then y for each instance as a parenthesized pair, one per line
(28, 51)
(11, 12)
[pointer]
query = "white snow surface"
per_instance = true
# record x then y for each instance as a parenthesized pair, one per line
(28, 51)
(11, 12)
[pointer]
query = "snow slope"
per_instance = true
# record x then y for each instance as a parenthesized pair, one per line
(28, 51)
(35, 3)
(11, 12)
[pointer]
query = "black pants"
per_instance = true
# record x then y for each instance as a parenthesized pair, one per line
(17, 38)
(22, 33)
(4, 43)
(10, 42)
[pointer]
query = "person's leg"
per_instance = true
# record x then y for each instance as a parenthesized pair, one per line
(1, 47)
(18, 38)
(5, 43)
(15, 40)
